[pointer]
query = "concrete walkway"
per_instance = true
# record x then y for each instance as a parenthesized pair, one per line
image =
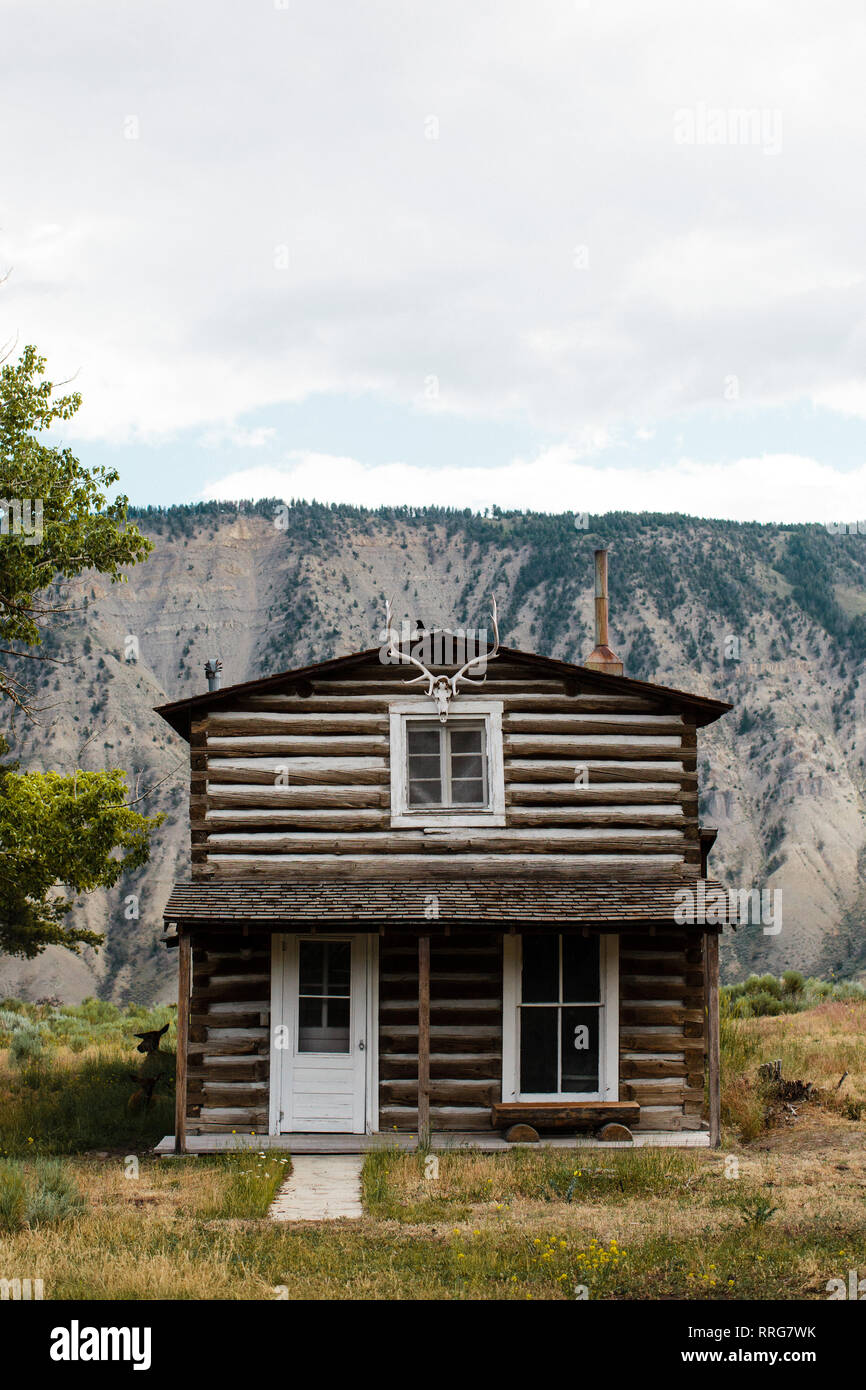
(322, 1187)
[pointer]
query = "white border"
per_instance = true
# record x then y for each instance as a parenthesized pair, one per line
(400, 712)
(609, 1029)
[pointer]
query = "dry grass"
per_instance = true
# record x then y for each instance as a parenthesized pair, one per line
(775, 1214)
(819, 1045)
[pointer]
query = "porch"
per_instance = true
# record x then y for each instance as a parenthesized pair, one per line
(434, 1004)
(439, 1142)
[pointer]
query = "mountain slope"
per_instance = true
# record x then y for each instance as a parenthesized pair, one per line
(771, 618)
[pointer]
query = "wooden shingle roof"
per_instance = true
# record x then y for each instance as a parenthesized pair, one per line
(701, 709)
(335, 903)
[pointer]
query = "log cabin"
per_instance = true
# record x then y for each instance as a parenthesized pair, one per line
(445, 904)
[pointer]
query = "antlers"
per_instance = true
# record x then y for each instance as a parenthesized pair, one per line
(482, 657)
(400, 656)
(442, 689)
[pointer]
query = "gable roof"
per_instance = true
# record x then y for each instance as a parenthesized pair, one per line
(702, 709)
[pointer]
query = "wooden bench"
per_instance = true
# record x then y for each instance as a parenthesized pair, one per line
(556, 1114)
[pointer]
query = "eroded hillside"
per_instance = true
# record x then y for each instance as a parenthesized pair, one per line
(771, 618)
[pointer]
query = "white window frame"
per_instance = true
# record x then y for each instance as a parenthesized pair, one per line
(402, 713)
(608, 1061)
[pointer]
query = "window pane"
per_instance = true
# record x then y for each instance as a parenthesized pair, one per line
(425, 793)
(311, 967)
(323, 967)
(423, 740)
(466, 741)
(538, 1045)
(323, 1025)
(580, 974)
(466, 792)
(424, 764)
(540, 969)
(580, 1040)
(467, 765)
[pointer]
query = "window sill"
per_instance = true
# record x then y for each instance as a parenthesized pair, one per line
(447, 820)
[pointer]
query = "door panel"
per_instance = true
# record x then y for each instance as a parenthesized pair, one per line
(322, 1069)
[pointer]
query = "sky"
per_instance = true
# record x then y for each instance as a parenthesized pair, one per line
(560, 255)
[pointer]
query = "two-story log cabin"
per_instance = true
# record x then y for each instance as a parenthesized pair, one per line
(444, 909)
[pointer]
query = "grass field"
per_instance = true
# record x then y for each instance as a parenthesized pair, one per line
(776, 1213)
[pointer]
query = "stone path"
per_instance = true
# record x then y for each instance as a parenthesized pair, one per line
(322, 1187)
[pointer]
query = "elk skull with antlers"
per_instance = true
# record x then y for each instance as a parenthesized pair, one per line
(441, 689)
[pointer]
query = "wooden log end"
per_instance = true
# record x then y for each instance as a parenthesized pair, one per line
(615, 1134)
(522, 1134)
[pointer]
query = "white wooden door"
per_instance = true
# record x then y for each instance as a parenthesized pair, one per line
(321, 1050)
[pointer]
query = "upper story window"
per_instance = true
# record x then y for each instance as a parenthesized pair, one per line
(447, 763)
(447, 774)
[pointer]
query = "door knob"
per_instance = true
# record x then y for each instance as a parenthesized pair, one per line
(361, 1045)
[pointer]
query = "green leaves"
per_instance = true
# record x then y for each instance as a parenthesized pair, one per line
(74, 831)
(56, 521)
(80, 528)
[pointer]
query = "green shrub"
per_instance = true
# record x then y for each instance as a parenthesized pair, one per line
(13, 1196)
(55, 1197)
(43, 1196)
(764, 984)
(792, 982)
(763, 1003)
(25, 1047)
(791, 993)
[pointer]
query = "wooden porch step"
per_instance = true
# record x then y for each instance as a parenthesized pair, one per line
(555, 1114)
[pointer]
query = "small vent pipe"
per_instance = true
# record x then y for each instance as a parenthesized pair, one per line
(213, 671)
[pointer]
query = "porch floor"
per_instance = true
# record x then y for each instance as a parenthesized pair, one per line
(441, 1141)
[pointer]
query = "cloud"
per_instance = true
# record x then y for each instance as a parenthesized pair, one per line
(237, 437)
(211, 208)
(770, 488)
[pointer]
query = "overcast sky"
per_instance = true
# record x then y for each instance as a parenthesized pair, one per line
(559, 254)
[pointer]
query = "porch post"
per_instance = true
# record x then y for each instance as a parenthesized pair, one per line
(423, 1038)
(711, 958)
(183, 981)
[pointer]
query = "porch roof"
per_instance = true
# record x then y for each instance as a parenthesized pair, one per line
(536, 900)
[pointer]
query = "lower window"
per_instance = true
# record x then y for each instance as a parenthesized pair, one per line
(560, 1020)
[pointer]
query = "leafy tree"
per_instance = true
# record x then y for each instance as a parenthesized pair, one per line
(57, 829)
(56, 521)
(56, 832)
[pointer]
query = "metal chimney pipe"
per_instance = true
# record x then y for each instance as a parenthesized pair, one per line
(602, 659)
(601, 599)
(213, 671)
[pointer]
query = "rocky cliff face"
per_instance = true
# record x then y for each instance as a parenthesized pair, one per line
(773, 619)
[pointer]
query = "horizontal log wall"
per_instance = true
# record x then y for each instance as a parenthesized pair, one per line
(298, 786)
(662, 1031)
(229, 1035)
(662, 1028)
(465, 1031)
